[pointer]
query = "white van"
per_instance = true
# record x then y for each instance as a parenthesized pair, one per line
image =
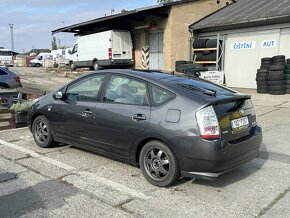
(39, 60)
(109, 48)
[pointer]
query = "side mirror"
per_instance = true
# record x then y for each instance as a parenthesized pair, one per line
(69, 51)
(58, 95)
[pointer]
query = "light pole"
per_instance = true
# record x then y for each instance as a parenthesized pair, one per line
(63, 34)
(12, 38)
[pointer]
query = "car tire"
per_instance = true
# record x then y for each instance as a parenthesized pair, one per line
(287, 91)
(262, 86)
(262, 74)
(158, 164)
(287, 81)
(263, 70)
(42, 132)
(262, 91)
(277, 67)
(277, 92)
(264, 66)
(277, 82)
(276, 87)
(261, 78)
(96, 66)
(4, 87)
(72, 66)
(274, 77)
(276, 72)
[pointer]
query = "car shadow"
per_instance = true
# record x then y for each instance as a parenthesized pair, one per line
(239, 173)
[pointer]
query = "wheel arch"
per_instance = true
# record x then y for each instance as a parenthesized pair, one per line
(34, 116)
(140, 145)
(5, 85)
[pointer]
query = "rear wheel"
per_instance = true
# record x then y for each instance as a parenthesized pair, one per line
(159, 164)
(4, 87)
(96, 66)
(42, 133)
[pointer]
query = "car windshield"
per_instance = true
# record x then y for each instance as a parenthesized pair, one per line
(202, 86)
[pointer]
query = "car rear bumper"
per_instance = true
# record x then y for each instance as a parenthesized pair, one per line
(219, 157)
(116, 62)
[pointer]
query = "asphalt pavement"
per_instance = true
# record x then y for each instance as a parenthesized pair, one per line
(65, 181)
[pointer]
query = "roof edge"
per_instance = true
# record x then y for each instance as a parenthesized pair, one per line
(226, 6)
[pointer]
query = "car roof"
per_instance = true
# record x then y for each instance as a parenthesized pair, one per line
(153, 75)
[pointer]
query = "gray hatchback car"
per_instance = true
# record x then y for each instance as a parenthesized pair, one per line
(9, 79)
(170, 126)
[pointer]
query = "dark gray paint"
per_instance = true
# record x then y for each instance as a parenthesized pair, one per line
(112, 131)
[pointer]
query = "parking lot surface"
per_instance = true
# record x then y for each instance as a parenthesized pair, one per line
(66, 181)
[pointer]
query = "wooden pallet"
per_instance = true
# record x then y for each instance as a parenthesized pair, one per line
(7, 119)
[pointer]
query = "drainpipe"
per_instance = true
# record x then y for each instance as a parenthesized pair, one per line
(190, 44)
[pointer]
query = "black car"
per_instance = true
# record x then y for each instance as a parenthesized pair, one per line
(170, 126)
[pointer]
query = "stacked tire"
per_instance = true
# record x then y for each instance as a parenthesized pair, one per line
(204, 54)
(287, 76)
(275, 78)
(262, 74)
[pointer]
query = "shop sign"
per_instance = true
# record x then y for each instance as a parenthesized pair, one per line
(269, 43)
(213, 76)
(243, 45)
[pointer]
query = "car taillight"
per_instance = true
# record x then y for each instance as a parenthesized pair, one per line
(208, 123)
(133, 54)
(110, 53)
(17, 78)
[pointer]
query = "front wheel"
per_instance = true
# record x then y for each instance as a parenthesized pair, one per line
(42, 132)
(158, 164)
(72, 66)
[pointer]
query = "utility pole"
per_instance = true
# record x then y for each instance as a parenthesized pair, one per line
(63, 35)
(12, 38)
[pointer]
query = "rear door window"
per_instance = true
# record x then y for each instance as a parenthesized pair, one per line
(160, 96)
(126, 90)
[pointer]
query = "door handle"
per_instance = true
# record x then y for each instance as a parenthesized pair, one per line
(87, 113)
(139, 117)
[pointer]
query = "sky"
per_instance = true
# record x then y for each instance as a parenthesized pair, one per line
(33, 20)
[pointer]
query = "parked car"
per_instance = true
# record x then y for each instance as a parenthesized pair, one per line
(170, 126)
(8, 79)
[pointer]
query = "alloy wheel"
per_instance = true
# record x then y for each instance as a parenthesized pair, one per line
(157, 164)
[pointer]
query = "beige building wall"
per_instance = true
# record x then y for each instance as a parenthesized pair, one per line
(176, 34)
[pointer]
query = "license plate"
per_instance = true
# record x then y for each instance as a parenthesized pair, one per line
(240, 123)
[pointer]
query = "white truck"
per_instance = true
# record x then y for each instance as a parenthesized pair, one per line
(39, 60)
(6, 57)
(104, 49)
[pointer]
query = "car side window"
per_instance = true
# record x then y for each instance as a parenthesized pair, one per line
(75, 49)
(2, 72)
(86, 89)
(126, 90)
(160, 95)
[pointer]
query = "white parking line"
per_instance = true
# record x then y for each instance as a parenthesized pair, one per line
(115, 185)
(98, 179)
(38, 156)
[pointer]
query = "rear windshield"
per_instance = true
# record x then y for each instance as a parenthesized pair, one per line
(201, 85)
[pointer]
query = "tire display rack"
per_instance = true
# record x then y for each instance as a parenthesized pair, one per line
(273, 76)
(209, 52)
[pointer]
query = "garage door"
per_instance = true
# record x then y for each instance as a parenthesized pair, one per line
(156, 51)
(243, 53)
